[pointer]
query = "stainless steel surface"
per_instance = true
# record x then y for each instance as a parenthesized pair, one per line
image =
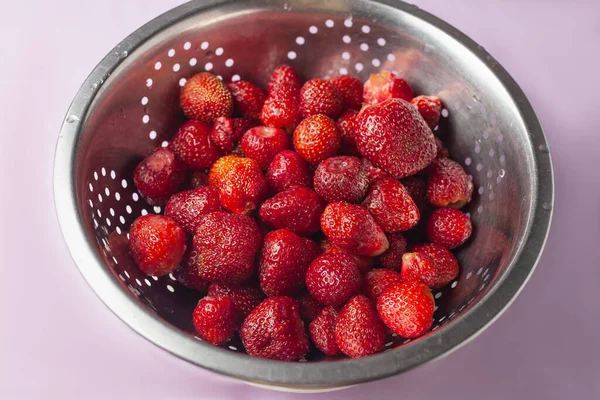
(128, 105)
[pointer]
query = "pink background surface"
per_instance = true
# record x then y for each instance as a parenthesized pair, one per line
(57, 340)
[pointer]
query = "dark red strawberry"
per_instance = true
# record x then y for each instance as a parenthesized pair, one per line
(363, 263)
(431, 264)
(379, 280)
(317, 138)
(241, 183)
(320, 97)
(322, 331)
(358, 330)
(262, 143)
(332, 278)
(192, 145)
(205, 98)
(237, 151)
(395, 138)
(227, 132)
(449, 227)
(448, 185)
(391, 206)
(417, 188)
(442, 152)
(392, 258)
(287, 169)
(284, 77)
(353, 229)
(346, 126)
(384, 86)
(245, 296)
(157, 244)
(309, 307)
(407, 309)
(197, 179)
(158, 176)
(215, 319)
(341, 178)
(297, 209)
(248, 99)
(283, 262)
(186, 207)
(187, 272)
(275, 330)
(350, 89)
(430, 108)
(226, 246)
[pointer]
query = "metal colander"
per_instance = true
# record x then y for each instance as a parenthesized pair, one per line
(129, 105)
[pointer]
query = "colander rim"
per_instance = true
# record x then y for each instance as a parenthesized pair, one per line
(267, 372)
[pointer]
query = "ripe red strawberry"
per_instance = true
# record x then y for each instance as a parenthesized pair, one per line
(358, 331)
(226, 246)
(317, 138)
(197, 179)
(282, 109)
(346, 126)
(430, 108)
(248, 99)
(392, 258)
(407, 309)
(186, 207)
(353, 229)
(187, 272)
(341, 178)
(332, 278)
(158, 176)
(374, 173)
(288, 169)
(449, 227)
(215, 319)
(431, 264)
(350, 89)
(309, 307)
(284, 77)
(448, 185)
(363, 263)
(391, 206)
(322, 331)
(320, 97)
(227, 132)
(417, 189)
(283, 262)
(275, 330)
(245, 297)
(205, 98)
(379, 280)
(395, 138)
(242, 185)
(297, 209)
(157, 244)
(192, 145)
(262, 143)
(384, 86)
(418, 267)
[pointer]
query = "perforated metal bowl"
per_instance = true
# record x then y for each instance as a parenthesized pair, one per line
(128, 106)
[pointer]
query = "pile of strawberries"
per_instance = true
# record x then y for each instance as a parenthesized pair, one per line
(293, 210)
